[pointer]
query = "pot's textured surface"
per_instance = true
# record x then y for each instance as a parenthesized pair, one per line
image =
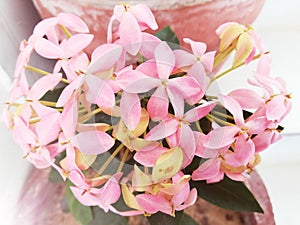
(42, 203)
(196, 19)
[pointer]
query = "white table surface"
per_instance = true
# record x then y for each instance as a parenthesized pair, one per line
(279, 26)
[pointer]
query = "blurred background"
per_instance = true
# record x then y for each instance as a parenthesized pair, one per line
(279, 26)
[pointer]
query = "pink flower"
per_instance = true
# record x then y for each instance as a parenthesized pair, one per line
(178, 131)
(97, 91)
(213, 169)
(243, 39)
(197, 64)
(156, 74)
(90, 142)
(132, 20)
(174, 196)
(276, 95)
(36, 139)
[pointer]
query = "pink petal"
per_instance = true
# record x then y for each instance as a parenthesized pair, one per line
(43, 26)
(144, 15)
(165, 60)
(69, 118)
(77, 43)
(257, 125)
(143, 84)
(104, 57)
(48, 49)
(198, 48)
(264, 140)
(130, 107)
(149, 44)
(110, 193)
(234, 108)
(181, 195)
(85, 197)
(110, 29)
(176, 99)
(148, 158)
(248, 99)
(48, 132)
(221, 137)
(243, 152)
(199, 112)
(69, 90)
(183, 58)
(73, 22)
(208, 60)
(126, 213)
(192, 198)
(148, 68)
(41, 159)
(174, 139)
(93, 142)
(42, 85)
(77, 177)
(276, 108)
(264, 65)
(198, 72)
(202, 151)
(130, 34)
(188, 144)
(158, 104)
(207, 170)
(162, 130)
(190, 88)
(127, 76)
(79, 62)
(22, 134)
(99, 92)
(154, 203)
(236, 177)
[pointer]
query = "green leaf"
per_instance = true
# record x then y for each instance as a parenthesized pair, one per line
(109, 218)
(164, 219)
(180, 218)
(52, 96)
(168, 35)
(187, 220)
(55, 177)
(83, 214)
(228, 194)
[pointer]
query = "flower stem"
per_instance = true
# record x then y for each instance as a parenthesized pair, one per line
(47, 103)
(43, 72)
(111, 157)
(86, 117)
(34, 120)
(198, 126)
(66, 31)
(222, 55)
(224, 115)
(37, 70)
(212, 118)
(123, 160)
(234, 67)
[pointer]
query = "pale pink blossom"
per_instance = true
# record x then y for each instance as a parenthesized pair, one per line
(167, 89)
(132, 21)
(197, 64)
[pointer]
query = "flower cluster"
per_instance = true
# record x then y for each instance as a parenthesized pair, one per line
(133, 116)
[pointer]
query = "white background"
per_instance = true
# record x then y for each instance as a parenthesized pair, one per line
(279, 26)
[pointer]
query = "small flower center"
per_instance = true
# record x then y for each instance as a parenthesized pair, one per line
(164, 83)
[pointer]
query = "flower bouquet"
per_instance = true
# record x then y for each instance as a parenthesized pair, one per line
(133, 128)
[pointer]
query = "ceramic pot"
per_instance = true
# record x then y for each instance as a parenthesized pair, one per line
(42, 202)
(196, 19)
